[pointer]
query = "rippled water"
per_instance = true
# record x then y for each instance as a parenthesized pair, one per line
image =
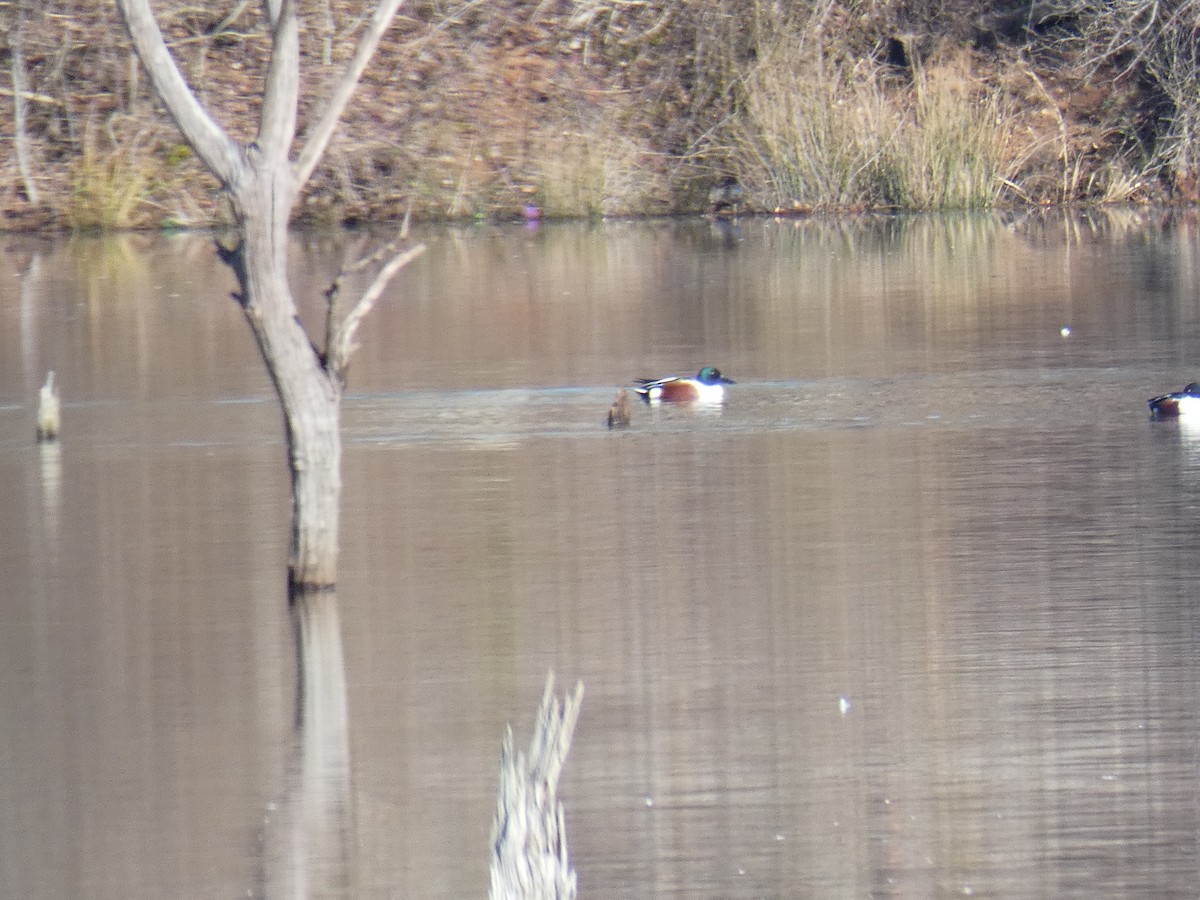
(912, 615)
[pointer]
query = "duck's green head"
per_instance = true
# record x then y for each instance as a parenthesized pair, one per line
(712, 375)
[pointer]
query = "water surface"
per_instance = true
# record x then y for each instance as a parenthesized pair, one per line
(911, 616)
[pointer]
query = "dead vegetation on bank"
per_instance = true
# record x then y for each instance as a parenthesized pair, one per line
(594, 108)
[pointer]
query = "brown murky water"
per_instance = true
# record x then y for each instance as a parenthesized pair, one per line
(913, 615)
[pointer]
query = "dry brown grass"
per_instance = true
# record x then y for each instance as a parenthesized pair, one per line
(593, 109)
(822, 134)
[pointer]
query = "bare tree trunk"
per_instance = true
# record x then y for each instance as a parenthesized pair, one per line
(309, 394)
(263, 181)
(16, 49)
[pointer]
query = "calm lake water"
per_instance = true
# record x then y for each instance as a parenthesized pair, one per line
(913, 615)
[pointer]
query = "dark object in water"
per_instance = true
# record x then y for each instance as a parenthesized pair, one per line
(618, 413)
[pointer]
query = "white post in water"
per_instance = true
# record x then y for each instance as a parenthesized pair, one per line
(49, 419)
(529, 834)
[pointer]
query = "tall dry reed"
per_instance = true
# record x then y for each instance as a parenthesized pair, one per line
(830, 133)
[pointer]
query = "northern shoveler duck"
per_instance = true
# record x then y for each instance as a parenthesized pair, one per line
(618, 413)
(1177, 403)
(49, 418)
(707, 387)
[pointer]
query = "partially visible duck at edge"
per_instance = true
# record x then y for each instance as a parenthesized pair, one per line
(1177, 404)
(618, 413)
(707, 387)
(724, 198)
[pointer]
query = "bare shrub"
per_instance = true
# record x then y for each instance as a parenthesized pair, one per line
(1159, 39)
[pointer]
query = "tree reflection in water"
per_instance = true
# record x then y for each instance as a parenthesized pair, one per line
(308, 848)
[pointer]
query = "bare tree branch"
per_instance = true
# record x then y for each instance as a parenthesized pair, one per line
(32, 97)
(273, 9)
(372, 294)
(317, 138)
(277, 128)
(232, 16)
(219, 152)
(340, 344)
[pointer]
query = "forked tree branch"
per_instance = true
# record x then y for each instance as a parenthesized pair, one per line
(277, 129)
(219, 152)
(317, 138)
(339, 333)
(366, 302)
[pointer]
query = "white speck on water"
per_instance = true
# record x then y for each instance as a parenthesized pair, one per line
(1065, 331)
(844, 704)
